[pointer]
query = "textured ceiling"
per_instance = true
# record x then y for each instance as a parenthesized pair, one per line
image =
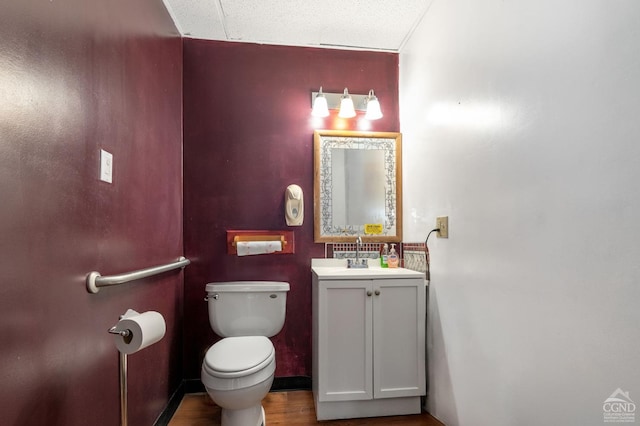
(353, 24)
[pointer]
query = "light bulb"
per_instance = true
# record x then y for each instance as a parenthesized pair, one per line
(346, 106)
(320, 107)
(373, 107)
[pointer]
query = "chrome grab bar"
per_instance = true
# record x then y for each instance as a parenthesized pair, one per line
(95, 280)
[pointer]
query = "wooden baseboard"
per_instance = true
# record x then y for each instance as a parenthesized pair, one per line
(291, 383)
(193, 386)
(172, 406)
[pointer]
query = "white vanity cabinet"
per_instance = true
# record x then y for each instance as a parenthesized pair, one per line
(368, 342)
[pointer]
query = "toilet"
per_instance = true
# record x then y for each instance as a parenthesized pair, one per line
(238, 370)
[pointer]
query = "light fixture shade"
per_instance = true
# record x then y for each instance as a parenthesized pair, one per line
(346, 106)
(320, 107)
(373, 107)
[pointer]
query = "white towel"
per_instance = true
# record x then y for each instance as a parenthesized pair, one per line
(247, 248)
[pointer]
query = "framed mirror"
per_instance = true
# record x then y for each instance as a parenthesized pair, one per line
(357, 186)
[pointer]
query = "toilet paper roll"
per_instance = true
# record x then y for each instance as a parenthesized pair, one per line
(144, 330)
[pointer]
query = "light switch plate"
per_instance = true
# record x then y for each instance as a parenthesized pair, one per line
(442, 223)
(106, 166)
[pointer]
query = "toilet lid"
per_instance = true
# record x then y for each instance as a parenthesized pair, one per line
(234, 354)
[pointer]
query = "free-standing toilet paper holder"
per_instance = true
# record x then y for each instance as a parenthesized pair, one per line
(132, 328)
(123, 375)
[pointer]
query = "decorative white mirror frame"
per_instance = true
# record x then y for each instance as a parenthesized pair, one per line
(391, 145)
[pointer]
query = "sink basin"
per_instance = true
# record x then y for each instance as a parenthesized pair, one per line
(337, 269)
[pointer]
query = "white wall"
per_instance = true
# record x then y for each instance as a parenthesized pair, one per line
(521, 122)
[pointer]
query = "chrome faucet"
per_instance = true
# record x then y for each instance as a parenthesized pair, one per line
(359, 263)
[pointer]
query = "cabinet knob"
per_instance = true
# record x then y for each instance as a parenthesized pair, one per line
(369, 293)
(377, 292)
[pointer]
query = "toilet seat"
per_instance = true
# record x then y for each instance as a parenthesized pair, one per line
(238, 362)
(238, 356)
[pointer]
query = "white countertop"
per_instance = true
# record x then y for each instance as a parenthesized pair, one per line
(337, 269)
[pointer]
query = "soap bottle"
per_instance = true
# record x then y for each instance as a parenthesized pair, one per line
(393, 259)
(384, 256)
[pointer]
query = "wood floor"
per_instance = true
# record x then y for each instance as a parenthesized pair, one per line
(292, 408)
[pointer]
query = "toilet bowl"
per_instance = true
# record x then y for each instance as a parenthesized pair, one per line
(237, 373)
(238, 370)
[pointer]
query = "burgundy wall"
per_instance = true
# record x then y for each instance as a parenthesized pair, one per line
(248, 134)
(77, 76)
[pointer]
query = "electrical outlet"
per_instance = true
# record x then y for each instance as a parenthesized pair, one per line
(442, 223)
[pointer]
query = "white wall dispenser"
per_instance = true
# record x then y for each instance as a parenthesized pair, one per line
(294, 205)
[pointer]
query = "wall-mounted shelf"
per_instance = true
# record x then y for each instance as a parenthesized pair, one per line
(285, 237)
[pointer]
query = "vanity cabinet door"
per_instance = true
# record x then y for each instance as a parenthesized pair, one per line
(345, 340)
(398, 338)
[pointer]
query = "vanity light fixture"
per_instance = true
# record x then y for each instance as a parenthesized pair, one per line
(320, 106)
(346, 103)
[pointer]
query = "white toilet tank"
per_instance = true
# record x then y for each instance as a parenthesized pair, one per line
(247, 308)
